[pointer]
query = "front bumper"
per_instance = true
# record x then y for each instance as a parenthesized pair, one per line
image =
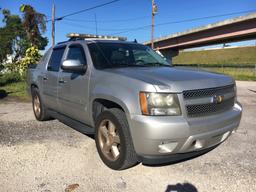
(172, 158)
(163, 136)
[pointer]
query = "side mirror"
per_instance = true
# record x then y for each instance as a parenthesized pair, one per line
(73, 66)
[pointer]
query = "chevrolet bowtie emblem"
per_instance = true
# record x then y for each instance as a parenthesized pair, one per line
(218, 99)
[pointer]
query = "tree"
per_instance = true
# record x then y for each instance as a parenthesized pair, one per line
(34, 24)
(13, 39)
(18, 34)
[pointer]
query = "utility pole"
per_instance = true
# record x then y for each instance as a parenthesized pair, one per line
(154, 11)
(53, 25)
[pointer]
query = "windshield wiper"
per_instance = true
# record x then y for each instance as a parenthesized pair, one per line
(127, 65)
(157, 64)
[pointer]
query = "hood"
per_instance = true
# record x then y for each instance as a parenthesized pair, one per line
(174, 79)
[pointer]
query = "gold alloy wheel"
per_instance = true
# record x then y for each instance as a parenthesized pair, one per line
(109, 140)
(36, 105)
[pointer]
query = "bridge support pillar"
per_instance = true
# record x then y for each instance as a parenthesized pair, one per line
(170, 53)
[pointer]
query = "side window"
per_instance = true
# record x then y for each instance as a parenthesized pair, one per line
(55, 59)
(76, 52)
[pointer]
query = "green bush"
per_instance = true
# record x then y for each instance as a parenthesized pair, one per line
(10, 77)
(32, 57)
(16, 72)
(1, 67)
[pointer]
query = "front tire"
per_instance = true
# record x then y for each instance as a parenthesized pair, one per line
(113, 140)
(39, 109)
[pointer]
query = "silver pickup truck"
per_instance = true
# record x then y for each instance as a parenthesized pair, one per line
(138, 107)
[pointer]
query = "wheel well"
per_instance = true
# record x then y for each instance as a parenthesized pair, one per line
(100, 105)
(33, 86)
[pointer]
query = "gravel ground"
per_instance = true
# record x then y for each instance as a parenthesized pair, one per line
(52, 157)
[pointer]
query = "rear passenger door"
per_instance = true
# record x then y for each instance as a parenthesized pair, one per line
(50, 78)
(73, 87)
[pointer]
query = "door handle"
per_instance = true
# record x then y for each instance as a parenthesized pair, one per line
(62, 81)
(45, 78)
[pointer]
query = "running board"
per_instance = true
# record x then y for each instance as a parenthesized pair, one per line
(81, 127)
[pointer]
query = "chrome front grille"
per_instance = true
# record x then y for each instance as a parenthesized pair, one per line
(204, 109)
(203, 102)
(207, 92)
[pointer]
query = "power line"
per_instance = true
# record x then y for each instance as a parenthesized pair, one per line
(207, 17)
(84, 10)
(93, 28)
(146, 17)
(124, 30)
(132, 29)
(143, 17)
(183, 21)
(109, 21)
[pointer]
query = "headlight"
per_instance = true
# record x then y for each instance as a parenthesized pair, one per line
(159, 104)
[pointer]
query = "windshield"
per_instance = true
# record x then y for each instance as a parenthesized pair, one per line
(111, 55)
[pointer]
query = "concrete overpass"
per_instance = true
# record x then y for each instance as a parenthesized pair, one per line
(230, 30)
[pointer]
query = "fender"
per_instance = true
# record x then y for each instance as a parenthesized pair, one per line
(119, 95)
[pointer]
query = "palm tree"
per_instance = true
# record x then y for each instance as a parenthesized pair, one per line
(34, 24)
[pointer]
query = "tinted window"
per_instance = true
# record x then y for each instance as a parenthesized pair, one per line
(55, 60)
(109, 55)
(76, 53)
(97, 56)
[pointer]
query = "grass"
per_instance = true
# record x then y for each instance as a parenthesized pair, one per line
(16, 90)
(243, 74)
(236, 62)
(229, 56)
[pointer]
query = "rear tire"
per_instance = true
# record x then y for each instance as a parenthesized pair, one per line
(40, 111)
(113, 140)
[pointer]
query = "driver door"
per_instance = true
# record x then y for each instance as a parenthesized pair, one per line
(73, 87)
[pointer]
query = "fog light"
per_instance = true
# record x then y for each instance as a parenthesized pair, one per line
(198, 144)
(225, 136)
(238, 107)
(167, 147)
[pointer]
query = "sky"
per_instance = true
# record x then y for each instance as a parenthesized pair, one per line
(124, 15)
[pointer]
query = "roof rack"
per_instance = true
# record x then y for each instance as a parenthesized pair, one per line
(78, 36)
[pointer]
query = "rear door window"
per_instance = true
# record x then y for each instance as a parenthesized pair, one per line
(55, 60)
